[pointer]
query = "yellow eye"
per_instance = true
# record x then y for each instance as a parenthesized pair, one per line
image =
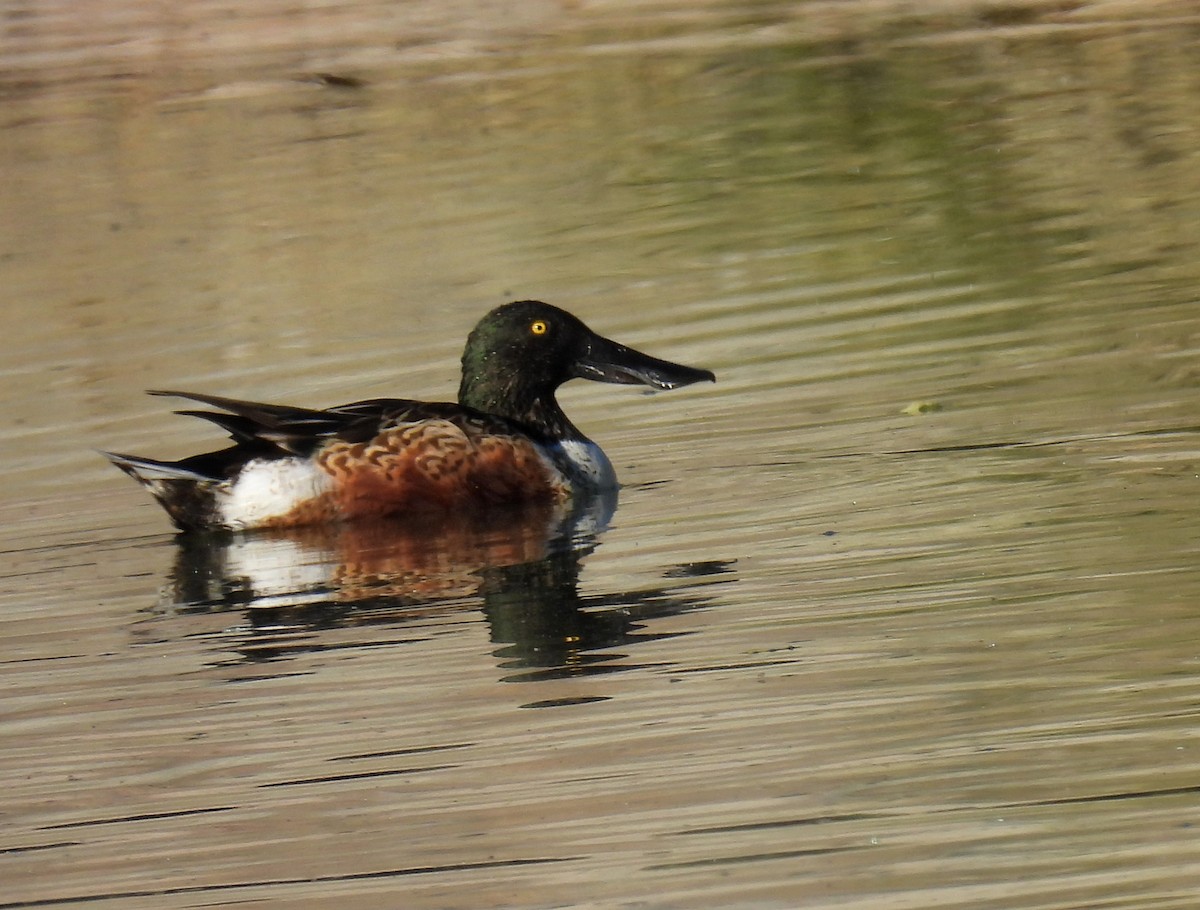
(538, 327)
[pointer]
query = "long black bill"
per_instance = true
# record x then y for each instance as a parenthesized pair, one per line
(607, 361)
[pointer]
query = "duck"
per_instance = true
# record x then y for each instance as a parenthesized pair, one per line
(506, 441)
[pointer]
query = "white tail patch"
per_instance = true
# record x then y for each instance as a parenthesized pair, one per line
(265, 490)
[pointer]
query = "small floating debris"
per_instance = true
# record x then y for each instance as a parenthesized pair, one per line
(335, 80)
(921, 407)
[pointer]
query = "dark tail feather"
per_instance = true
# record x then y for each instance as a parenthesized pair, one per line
(188, 496)
(279, 427)
(242, 429)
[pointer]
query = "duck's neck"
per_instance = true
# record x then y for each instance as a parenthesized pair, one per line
(532, 406)
(539, 414)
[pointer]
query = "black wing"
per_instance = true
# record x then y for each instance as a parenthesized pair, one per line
(298, 431)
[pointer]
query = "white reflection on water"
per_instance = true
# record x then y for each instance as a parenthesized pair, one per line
(520, 568)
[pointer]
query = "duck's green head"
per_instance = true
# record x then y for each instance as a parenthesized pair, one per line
(521, 352)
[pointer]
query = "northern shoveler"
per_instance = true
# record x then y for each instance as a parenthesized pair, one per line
(505, 441)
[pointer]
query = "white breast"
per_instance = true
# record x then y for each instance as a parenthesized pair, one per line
(586, 463)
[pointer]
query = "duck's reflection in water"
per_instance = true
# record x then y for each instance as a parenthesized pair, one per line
(521, 567)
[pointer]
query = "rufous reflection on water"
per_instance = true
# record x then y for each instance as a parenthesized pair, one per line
(434, 559)
(520, 566)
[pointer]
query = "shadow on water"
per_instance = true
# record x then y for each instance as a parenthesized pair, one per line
(520, 567)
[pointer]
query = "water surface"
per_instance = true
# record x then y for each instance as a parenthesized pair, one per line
(900, 613)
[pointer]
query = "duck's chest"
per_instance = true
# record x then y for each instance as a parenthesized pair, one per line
(583, 462)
